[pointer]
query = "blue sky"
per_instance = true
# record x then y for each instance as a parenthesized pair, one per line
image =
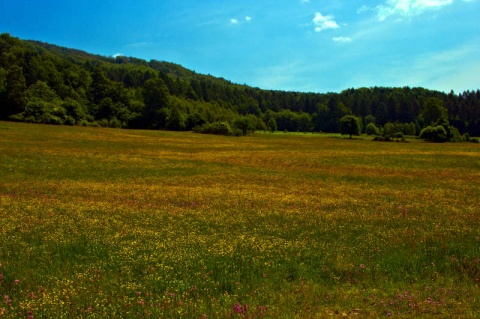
(296, 45)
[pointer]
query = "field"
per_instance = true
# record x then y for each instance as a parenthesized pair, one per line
(104, 223)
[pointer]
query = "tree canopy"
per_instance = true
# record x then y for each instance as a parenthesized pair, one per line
(44, 83)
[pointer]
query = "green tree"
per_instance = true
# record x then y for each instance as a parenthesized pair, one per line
(350, 125)
(161, 118)
(75, 109)
(106, 109)
(3, 93)
(320, 118)
(156, 98)
(100, 87)
(304, 122)
(409, 129)
(433, 111)
(16, 87)
(194, 119)
(245, 124)
(272, 125)
(176, 120)
(43, 105)
(41, 90)
(371, 129)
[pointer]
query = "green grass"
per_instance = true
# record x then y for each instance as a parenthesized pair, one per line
(102, 223)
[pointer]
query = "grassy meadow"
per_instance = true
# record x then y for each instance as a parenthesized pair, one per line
(105, 223)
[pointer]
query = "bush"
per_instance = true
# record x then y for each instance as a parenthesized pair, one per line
(382, 139)
(103, 123)
(371, 129)
(474, 140)
(453, 135)
(69, 120)
(48, 118)
(434, 134)
(59, 112)
(30, 119)
(399, 135)
(237, 132)
(218, 128)
(115, 123)
(17, 117)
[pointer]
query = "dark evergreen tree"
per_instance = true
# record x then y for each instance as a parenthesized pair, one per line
(16, 86)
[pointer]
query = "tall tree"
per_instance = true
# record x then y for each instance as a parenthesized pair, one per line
(16, 87)
(100, 87)
(433, 111)
(156, 98)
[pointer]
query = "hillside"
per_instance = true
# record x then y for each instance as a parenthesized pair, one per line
(44, 83)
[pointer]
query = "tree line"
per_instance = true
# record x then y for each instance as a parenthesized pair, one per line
(43, 83)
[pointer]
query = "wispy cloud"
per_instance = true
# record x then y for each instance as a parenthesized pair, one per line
(305, 1)
(408, 7)
(342, 39)
(322, 22)
(235, 21)
(363, 8)
(137, 44)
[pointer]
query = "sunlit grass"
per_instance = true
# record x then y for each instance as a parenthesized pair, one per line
(118, 223)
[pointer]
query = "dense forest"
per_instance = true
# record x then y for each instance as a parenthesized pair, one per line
(44, 83)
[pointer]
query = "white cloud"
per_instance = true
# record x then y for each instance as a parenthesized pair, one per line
(235, 21)
(363, 8)
(322, 22)
(408, 7)
(342, 39)
(116, 55)
(305, 1)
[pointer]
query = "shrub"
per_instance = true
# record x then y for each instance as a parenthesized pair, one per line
(382, 139)
(59, 112)
(237, 132)
(115, 123)
(69, 120)
(371, 129)
(83, 123)
(30, 119)
(17, 117)
(434, 134)
(399, 135)
(218, 128)
(48, 118)
(103, 123)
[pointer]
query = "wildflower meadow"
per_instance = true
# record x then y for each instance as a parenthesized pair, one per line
(110, 223)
